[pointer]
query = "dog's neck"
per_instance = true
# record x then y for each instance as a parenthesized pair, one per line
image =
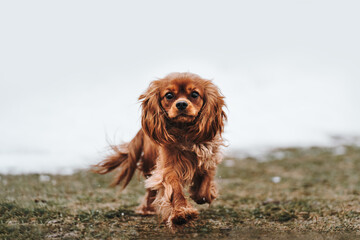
(185, 140)
(188, 133)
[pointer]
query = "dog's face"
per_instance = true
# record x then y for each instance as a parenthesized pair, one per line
(182, 98)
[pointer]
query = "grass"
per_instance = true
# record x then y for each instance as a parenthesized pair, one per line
(314, 195)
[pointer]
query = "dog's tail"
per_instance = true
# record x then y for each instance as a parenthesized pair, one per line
(125, 158)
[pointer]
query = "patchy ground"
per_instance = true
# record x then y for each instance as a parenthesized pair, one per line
(310, 193)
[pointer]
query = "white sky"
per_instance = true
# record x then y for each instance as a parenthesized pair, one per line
(71, 71)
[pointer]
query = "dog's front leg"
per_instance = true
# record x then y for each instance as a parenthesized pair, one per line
(182, 212)
(203, 189)
(170, 200)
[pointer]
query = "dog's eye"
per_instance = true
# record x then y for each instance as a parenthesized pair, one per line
(194, 94)
(169, 95)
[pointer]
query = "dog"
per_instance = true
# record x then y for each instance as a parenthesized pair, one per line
(178, 145)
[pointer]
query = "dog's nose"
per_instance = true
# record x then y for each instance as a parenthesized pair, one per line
(181, 105)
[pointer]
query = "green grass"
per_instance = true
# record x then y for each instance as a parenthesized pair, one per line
(317, 197)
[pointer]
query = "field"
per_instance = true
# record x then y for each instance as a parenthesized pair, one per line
(297, 193)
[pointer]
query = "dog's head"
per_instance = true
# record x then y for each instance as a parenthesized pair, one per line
(182, 100)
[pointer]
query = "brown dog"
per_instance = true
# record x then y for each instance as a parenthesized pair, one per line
(178, 145)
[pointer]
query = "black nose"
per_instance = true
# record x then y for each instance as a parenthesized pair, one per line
(181, 105)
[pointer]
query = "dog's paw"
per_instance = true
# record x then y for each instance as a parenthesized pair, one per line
(201, 199)
(145, 210)
(182, 216)
(206, 196)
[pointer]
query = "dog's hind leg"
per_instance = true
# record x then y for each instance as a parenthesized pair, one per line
(146, 207)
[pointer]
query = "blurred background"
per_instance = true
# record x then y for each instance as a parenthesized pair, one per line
(71, 73)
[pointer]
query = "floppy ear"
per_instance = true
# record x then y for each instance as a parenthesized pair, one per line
(212, 117)
(153, 117)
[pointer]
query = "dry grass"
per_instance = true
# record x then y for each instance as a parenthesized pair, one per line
(317, 197)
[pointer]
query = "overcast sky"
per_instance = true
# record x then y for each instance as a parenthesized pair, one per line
(71, 71)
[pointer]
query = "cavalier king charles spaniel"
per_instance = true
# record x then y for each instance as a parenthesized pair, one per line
(178, 145)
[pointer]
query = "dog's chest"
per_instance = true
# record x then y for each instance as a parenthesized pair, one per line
(203, 156)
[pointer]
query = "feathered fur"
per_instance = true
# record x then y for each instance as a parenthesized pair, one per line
(124, 158)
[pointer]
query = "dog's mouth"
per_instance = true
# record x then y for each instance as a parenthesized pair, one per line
(183, 117)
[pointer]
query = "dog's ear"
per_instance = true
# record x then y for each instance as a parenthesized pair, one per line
(153, 116)
(212, 117)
